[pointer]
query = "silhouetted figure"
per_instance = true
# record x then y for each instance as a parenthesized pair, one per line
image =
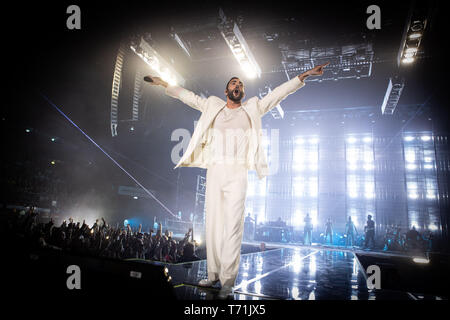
(307, 230)
(413, 238)
(350, 231)
(329, 230)
(248, 227)
(369, 229)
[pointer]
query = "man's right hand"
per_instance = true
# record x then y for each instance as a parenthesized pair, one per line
(157, 81)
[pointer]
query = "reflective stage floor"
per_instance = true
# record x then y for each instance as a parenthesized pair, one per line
(288, 273)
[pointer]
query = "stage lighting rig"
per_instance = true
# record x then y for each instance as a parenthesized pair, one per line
(346, 62)
(157, 63)
(413, 34)
(117, 76)
(392, 96)
(181, 43)
(236, 42)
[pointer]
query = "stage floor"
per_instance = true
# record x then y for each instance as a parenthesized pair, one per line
(287, 273)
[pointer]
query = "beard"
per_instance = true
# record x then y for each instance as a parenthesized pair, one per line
(235, 98)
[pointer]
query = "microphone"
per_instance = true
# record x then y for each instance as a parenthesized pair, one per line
(148, 79)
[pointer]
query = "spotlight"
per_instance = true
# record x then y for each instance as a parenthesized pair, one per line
(428, 166)
(421, 260)
(411, 166)
(425, 138)
(27, 130)
(430, 196)
(135, 198)
(353, 194)
(408, 60)
(413, 195)
(409, 138)
(157, 63)
(410, 51)
(351, 140)
(238, 46)
(53, 162)
(367, 139)
(53, 139)
(414, 36)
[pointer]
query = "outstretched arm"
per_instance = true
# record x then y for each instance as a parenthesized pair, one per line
(274, 97)
(186, 96)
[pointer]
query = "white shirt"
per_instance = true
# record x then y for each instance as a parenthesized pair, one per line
(230, 136)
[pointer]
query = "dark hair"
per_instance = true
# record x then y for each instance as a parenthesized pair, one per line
(226, 88)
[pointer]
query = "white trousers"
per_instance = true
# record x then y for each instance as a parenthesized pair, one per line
(226, 187)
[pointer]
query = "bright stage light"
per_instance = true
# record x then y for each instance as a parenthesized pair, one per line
(425, 138)
(298, 220)
(157, 63)
(313, 140)
(351, 140)
(431, 195)
(53, 162)
(421, 260)
(248, 69)
(428, 159)
(368, 167)
(125, 222)
(238, 46)
(409, 138)
(367, 139)
(299, 141)
(53, 139)
(135, 198)
(413, 195)
(433, 227)
(411, 50)
(415, 35)
(428, 166)
(369, 195)
(353, 194)
(407, 60)
(411, 166)
(410, 156)
(352, 167)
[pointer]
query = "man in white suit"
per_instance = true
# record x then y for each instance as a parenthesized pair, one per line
(227, 142)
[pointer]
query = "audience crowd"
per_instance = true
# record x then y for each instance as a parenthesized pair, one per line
(101, 239)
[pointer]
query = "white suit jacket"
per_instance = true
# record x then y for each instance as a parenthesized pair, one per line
(197, 152)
